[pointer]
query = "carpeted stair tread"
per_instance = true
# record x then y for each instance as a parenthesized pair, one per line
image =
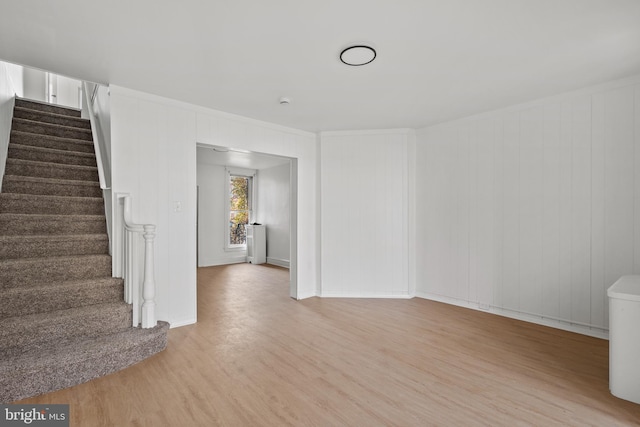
(30, 299)
(79, 361)
(50, 155)
(51, 129)
(51, 170)
(26, 271)
(59, 205)
(28, 224)
(35, 246)
(21, 334)
(50, 187)
(58, 143)
(43, 106)
(50, 117)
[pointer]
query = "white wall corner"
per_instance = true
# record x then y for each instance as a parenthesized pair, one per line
(411, 220)
(318, 230)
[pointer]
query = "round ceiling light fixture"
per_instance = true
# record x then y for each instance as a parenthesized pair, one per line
(358, 55)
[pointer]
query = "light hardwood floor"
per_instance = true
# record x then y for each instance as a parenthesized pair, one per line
(258, 358)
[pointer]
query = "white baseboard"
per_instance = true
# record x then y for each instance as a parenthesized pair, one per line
(565, 325)
(387, 296)
(182, 323)
(305, 295)
(237, 259)
(279, 262)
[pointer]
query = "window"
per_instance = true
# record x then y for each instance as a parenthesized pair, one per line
(239, 208)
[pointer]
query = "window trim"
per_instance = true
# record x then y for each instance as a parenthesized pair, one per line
(246, 173)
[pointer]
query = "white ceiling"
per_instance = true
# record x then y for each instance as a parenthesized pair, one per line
(437, 59)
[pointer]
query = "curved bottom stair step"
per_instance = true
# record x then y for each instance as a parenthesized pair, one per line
(59, 367)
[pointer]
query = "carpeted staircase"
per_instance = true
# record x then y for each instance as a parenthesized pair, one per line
(62, 316)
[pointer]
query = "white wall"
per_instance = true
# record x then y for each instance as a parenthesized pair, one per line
(16, 77)
(154, 159)
(68, 92)
(212, 226)
(273, 207)
(533, 211)
(365, 213)
(153, 154)
(35, 84)
(65, 88)
(10, 85)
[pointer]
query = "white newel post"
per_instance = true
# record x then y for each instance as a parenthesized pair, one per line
(137, 268)
(149, 284)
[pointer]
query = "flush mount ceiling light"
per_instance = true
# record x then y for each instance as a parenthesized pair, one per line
(358, 55)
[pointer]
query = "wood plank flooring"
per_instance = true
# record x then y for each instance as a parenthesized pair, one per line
(258, 358)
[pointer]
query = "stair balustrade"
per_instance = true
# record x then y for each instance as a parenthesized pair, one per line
(130, 254)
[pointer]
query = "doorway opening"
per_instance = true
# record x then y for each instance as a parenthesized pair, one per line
(273, 201)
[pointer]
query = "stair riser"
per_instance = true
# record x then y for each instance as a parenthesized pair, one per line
(45, 117)
(25, 187)
(32, 336)
(25, 153)
(53, 270)
(50, 170)
(51, 130)
(57, 226)
(59, 206)
(47, 107)
(44, 248)
(25, 301)
(44, 141)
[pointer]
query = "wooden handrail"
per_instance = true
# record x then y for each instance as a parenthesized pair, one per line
(97, 141)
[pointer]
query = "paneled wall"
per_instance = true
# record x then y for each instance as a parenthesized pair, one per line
(153, 154)
(365, 213)
(273, 207)
(533, 211)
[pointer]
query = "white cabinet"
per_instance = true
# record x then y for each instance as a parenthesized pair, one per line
(256, 244)
(624, 339)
